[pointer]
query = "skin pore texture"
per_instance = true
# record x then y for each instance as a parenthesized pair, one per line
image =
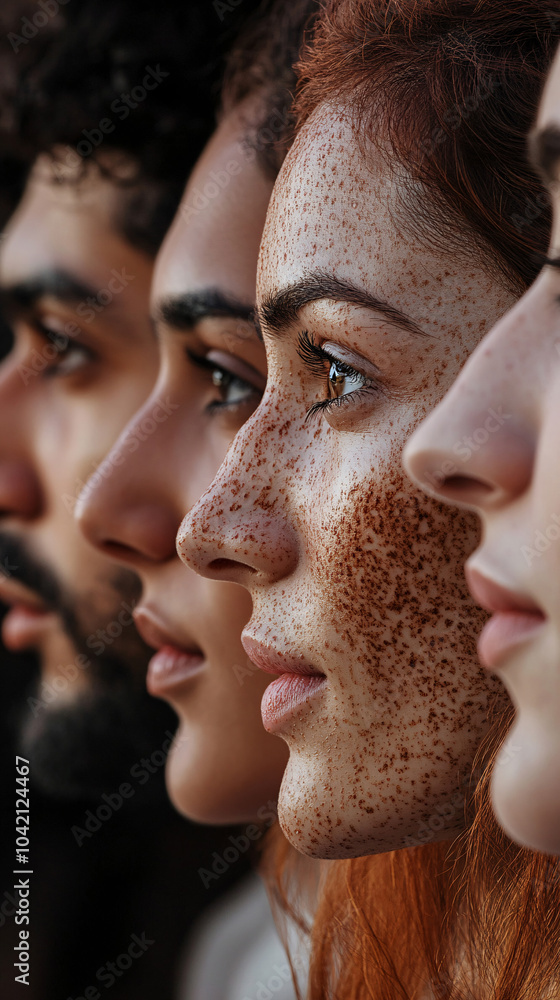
(353, 573)
(514, 484)
(83, 359)
(224, 766)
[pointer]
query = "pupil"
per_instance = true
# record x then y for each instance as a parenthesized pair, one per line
(336, 380)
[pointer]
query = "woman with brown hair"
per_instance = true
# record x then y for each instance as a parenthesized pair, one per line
(405, 221)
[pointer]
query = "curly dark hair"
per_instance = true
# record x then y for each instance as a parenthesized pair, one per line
(59, 86)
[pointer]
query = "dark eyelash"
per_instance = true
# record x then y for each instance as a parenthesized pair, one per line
(544, 261)
(316, 359)
(313, 356)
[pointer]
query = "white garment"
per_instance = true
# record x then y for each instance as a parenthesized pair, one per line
(235, 953)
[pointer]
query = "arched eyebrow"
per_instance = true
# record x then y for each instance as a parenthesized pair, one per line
(544, 152)
(281, 310)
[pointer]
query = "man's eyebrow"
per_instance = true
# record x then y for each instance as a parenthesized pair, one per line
(281, 309)
(58, 284)
(544, 152)
(185, 310)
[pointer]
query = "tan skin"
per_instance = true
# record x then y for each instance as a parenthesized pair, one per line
(352, 572)
(225, 767)
(512, 481)
(61, 409)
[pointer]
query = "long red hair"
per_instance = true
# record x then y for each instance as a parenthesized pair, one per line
(453, 87)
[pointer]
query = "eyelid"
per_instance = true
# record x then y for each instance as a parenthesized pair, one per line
(230, 364)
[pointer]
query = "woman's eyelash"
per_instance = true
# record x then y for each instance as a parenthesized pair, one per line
(313, 356)
(317, 360)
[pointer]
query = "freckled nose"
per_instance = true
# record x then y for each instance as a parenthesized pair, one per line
(229, 536)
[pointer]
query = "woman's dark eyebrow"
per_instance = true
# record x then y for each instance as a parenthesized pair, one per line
(544, 152)
(279, 311)
(184, 311)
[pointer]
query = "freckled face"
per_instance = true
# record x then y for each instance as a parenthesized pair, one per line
(354, 574)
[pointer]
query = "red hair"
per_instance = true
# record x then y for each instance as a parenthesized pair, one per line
(451, 89)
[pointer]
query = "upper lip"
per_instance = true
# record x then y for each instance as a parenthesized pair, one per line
(156, 633)
(494, 597)
(274, 662)
(13, 592)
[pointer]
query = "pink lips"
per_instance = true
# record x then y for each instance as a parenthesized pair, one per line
(297, 684)
(515, 619)
(172, 665)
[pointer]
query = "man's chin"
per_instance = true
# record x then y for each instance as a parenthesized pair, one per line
(83, 747)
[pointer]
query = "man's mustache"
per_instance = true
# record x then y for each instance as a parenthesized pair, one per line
(17, 564)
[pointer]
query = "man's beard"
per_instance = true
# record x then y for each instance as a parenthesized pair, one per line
(83, 747)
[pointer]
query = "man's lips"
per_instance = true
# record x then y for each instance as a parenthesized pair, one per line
(28, 618)
(174, 663)
(291, 692)
(515, 618)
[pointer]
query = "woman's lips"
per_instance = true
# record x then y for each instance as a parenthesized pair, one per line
(285, 696)
(170, 668)
(173, 665)
(515, 618)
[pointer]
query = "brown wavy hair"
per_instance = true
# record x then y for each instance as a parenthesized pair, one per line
(450, 88)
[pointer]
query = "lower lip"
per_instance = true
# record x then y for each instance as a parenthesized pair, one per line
(286, 695)
(170, 668)
(24, 627)
(503, 633)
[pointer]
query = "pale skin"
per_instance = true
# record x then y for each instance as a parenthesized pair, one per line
(513, 484)
(224, 767)
(350, 569)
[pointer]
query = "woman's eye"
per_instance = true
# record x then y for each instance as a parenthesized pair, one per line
(344, 384)
(343, 380)
(233, 389)
(69, 360)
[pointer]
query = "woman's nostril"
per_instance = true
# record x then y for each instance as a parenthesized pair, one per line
(458, 486)
(223, 566)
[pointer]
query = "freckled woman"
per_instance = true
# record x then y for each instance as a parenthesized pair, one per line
(393, 241)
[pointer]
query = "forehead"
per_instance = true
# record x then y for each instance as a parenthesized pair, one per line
(549, 110)
(335, 210)
(215, 237)
(68, 224)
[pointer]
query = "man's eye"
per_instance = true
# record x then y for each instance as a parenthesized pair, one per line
(60, 355)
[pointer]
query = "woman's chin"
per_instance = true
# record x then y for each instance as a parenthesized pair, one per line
(525, 789)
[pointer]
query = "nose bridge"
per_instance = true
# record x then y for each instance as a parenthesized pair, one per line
(241, 526)
(126, 504)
